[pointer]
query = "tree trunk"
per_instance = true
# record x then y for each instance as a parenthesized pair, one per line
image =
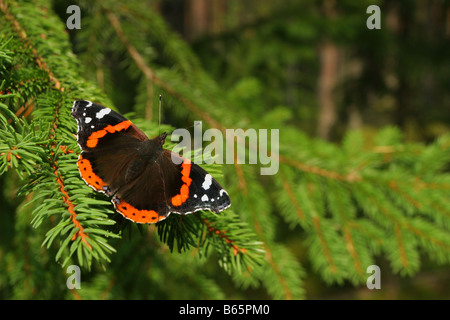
(327, 81)
(196, 18)
(328, 55)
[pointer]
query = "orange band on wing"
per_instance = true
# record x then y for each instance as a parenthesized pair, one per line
(181, 198)
(93, 138)
(136, 215)
(88, 174)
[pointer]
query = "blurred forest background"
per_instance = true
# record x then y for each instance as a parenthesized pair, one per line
(318, 60)
(311, 68)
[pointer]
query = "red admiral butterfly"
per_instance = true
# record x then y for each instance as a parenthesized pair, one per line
(145, 184)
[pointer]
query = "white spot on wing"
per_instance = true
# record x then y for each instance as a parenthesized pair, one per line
(87, 119)
(207, 183)
(205, 197)
(102, 113)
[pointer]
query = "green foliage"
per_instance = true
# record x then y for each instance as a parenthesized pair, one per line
(343, 207)
(44, 77)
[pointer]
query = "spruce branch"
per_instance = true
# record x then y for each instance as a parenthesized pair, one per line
(49, 168)
(80, 229)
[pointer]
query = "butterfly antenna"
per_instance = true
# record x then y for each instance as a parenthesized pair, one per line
(159, 121)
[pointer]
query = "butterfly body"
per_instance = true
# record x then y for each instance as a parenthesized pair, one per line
(145, 181)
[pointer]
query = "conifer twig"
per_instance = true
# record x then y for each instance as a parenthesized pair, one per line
(23, 35)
